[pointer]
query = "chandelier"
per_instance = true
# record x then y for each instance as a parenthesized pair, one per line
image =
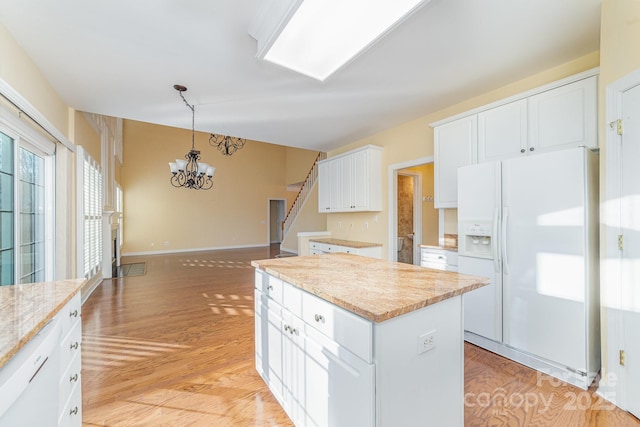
(189, 173)
(226, 144)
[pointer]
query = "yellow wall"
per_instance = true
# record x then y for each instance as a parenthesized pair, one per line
(299, 164)
(414, 140)
(82, 133)
(232, 214)
(19, 71)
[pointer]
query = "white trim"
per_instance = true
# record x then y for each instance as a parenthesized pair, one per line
(571, 79)
(179, 251)
(611, 221)
(392, 185)
(313, 233)
(21, 102)
(293, 251)
(89, 287)
(16, 128)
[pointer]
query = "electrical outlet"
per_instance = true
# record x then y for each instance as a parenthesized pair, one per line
(366, 225)
(426, 342)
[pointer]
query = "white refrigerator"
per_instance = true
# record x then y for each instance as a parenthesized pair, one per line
(530, 224)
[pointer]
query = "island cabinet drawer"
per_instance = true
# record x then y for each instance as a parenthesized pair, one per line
(269, 285)
(347, 329)
(70, 347)
(292, 298)
(69, 314)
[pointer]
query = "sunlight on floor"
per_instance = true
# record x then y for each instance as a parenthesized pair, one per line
(99, 351)
(211, 263)
(233, 305)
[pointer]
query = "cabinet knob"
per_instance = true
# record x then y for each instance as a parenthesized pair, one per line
(74, 411)
(531, 149)
(319, 318)
(269, 287)
(74, 346)
(522, 150)
(73, 378)
(287, 327)
(73, 313)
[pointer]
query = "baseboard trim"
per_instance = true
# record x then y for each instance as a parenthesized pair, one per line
(89, 287)
(180, 251)
(293, 251)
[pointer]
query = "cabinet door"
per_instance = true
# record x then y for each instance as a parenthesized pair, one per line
(564, 117)
(339, 390)
(293, 359)
(335, 185)
(455, 145)
(347, 188)
(360, 177)
(324, 187)
(502, 132)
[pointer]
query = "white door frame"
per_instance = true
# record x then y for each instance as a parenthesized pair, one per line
(269, 217)
(393, 207)
(612, 386)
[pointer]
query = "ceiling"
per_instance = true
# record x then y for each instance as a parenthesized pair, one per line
(121, 58)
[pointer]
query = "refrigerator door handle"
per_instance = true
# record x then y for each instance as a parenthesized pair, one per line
(505, 220)
(494, 234)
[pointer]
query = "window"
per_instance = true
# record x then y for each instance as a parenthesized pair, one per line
(6, 211)
(26, 245)
(90, 190)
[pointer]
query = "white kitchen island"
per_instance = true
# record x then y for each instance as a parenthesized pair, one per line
(345, 340)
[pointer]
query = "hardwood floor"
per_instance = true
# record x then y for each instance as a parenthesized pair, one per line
(175, 348)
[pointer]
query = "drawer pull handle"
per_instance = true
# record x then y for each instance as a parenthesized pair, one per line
(293, 331)
(74, 411)
(74, 346)
(319, 318)
(73, 378)
(74, 313)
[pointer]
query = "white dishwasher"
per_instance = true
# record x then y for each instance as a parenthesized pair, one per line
(29, 382)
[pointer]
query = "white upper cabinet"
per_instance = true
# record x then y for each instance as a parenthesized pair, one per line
(455, 145)
(502, 132)
(564, 117)
(557, 116)
(351, 182)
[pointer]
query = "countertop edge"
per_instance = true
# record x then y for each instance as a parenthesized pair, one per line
(373, 317)
(24, 339)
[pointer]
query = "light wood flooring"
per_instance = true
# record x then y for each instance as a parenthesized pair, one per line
(175, 348)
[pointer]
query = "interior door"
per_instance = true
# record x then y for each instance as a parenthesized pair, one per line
(630, 222)
(544, 256)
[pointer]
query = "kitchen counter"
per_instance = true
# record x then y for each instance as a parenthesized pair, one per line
(450, 243)
(348, 243)
(25, 309)
(376, 290)
(343, 339)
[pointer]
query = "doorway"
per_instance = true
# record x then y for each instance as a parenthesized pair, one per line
(276, 215)
(408, 208)
(413, 221)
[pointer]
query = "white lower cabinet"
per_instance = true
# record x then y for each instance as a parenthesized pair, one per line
(329, 367)
(69, 387)
(311, 376)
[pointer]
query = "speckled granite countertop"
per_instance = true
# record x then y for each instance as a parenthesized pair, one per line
(349, 243)
(25, 309)
(375, 289)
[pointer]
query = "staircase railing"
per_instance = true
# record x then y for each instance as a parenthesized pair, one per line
(308, 184)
